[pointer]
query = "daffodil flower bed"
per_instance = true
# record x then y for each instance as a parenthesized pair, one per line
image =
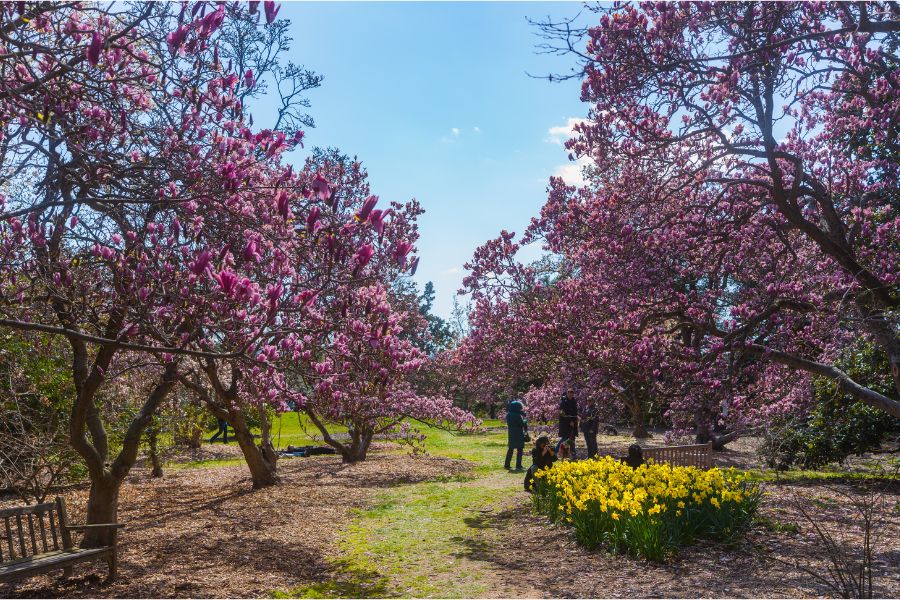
(650, 511)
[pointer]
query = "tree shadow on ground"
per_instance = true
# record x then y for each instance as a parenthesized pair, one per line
(344, 581)
(205, 533)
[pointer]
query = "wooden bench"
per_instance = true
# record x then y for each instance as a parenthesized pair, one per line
(37, 538)
(698, 455)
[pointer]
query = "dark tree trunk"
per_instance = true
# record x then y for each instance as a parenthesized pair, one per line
(640, 431)
(265, 441)
(638, 415)
(358, 448)
(262, 467)
(153, 444)
(106, 481)
(102, 507)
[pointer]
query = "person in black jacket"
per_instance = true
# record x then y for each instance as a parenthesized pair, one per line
(635, 456)
(542, 455)
(590, 427)
(517, 429)
(568, 420)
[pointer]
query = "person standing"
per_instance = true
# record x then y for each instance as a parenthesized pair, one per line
(223, 430)
(516, 427)
(590, 427)
(568, 420)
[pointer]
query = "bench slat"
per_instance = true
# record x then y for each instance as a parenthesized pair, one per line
(24, 510)
(43, 533)
(49, 561)
(53, 529)
(21, 536)
(34, 546)
(9, 538)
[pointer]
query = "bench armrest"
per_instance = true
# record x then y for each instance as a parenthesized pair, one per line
(96, 526)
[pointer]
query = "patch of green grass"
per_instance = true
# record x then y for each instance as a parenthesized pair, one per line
(421, 537)
(487, 449)
(822, 475)
(424, 539)
(349, 583)
(206, 464)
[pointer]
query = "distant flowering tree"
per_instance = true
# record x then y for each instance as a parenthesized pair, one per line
(361, 379)
(542, 326)
(348, 360)
(741, 220)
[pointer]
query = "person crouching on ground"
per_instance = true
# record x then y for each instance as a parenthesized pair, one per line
(516, 427)
(635, 456)
(542, 455)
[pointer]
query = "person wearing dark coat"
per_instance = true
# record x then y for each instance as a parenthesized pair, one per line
(516, 427)
(542, 455)
(568, 419)
(223, 429)
(590, 427)
(635, 456)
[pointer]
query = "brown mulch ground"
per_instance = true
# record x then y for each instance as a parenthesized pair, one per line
(205, 533)
(544, 560)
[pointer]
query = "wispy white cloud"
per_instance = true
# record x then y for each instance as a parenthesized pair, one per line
(560, 133)
(453, 137)
(476, 129)
(453, 271)
(572, 172)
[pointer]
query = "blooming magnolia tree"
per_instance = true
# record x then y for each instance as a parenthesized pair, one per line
(741, 221)
(349, 359)
(361, 379)
(552, 331)
(132, 184)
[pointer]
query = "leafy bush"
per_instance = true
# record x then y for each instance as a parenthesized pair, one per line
(35, 396)
(837, 426)
(829, 434)
(649, 511)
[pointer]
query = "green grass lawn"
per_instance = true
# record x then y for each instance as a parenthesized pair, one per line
(417, 539)
(296, 429)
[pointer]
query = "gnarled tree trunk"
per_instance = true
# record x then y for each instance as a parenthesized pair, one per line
(354, 451)
(225, 404)
(262, 467)
(106, 479)
(153, 443)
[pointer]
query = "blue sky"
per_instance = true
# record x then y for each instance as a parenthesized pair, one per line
(435, 99)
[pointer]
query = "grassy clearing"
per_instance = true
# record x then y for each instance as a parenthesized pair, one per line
(205, 464)
(419, 540)
(288, 429)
